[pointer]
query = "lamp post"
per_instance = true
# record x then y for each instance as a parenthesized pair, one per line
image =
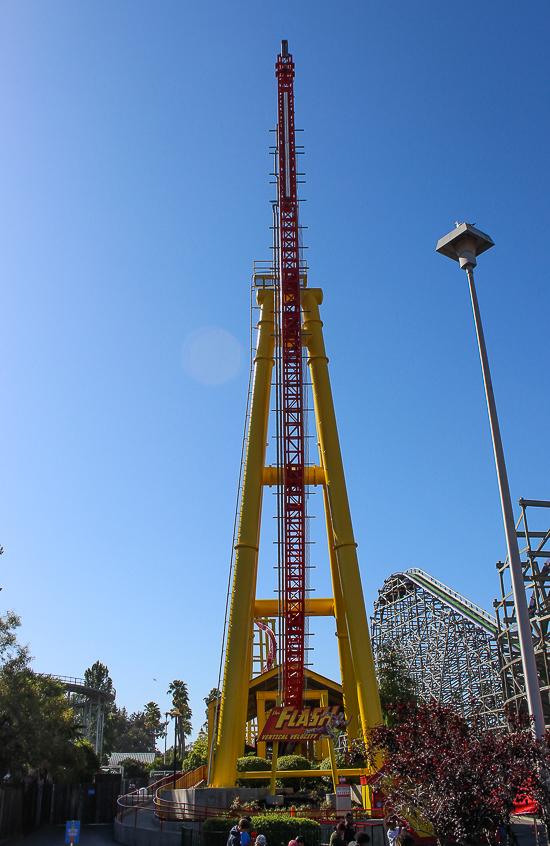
(175, 713)
(166, 721)
(464, 244)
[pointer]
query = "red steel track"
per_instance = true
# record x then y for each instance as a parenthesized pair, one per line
(292, 387)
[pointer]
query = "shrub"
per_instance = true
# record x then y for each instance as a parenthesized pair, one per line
(246, 765)
(293, 762)
(340, 762)
(280, 828)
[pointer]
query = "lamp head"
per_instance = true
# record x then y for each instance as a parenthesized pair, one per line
(464, 244)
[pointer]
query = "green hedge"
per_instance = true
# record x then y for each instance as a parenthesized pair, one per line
(297, 762)
(278, 829)
(251, 764)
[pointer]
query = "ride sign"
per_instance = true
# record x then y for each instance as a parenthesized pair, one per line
(72, 831)
(290, 723)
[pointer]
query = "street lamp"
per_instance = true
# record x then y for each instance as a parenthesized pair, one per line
(175, 713)
(464, 244)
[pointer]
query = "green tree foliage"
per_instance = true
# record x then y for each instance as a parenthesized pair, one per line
(153, 721)
(135, 769)
(212, 696)
(97, 676)
(126, 733)
(180, 700)
(197, 753)
(38, 730)
(79, 767)
(12, 654)
(395, 684)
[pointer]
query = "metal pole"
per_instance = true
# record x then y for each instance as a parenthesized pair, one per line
(165, 735)
(175, 741)
(532, 688)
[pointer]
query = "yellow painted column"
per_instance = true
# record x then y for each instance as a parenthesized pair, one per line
(344, 541)
(260, 709)
(235, 682)
(349, 686)
(333, 766)
(274, 768)
(211, 723)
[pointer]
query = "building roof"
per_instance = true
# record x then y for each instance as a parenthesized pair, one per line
(117, 758)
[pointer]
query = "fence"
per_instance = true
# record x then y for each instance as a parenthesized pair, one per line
(26, 807)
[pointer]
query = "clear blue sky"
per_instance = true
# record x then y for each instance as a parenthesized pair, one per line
(135, 196)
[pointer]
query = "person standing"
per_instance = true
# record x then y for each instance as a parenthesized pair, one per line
(236, 832)
(392, 828)
(350, 831)
(337, 837)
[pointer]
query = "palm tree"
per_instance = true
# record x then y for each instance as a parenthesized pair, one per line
(180, 701)
(152, 721)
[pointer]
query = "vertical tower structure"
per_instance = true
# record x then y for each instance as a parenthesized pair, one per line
(290, 320)
(292, 387)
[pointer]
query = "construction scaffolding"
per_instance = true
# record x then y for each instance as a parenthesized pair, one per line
(448, 644)
(534, 536)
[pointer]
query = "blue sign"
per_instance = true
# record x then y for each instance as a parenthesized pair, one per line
(72, 831)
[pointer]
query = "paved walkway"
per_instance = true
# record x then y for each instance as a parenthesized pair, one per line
(54, 835)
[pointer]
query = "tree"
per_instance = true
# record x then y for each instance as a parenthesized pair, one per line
(395, 683)
(460, 778)
(78, 767)
(197, 753)
(127, 733)
(38, 730)
(180, 700)
(212, 696)
(97, 677)
(153, 722)
(12, 654)
(135, 769)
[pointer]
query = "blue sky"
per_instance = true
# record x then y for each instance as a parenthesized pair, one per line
(134, 175)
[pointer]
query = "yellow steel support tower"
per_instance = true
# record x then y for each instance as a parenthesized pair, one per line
(361, 699)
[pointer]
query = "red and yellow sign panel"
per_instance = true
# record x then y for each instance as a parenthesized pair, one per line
(299, 723)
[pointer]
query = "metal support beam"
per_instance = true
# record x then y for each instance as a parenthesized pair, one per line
(344, 541)
(235, 682)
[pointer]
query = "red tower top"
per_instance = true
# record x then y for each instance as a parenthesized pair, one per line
(292, 412)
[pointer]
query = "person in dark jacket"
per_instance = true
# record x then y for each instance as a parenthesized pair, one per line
(350, 831)
(337, 837)
(234, 838)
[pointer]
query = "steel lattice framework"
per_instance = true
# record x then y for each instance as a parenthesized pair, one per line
(534, 535)
(448, 643)
(292, 388)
